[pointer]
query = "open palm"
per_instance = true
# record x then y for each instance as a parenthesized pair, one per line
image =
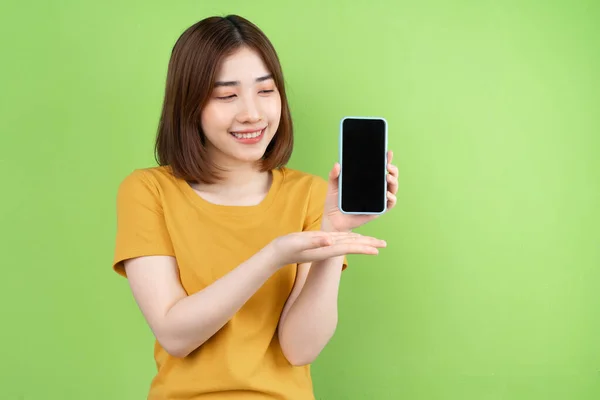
(341, 222)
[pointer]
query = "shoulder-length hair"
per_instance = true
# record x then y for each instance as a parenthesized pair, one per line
(192, 71)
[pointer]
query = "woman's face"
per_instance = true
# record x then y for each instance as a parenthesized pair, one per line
(244, 110)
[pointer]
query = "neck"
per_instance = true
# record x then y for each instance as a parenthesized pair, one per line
(241, 177)
(238, 180)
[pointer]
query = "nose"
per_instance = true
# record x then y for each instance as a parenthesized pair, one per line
(249, 110)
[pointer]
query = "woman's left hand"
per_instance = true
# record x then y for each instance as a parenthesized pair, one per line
(335, 220)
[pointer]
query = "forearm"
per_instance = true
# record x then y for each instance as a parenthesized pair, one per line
(196, 318)
(312, 319)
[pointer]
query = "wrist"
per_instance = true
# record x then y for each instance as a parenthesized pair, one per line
(327, 226)
(268, 258)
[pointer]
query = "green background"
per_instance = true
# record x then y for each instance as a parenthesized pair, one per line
(489, 288)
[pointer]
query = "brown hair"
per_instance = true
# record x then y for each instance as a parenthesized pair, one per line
(195, 60)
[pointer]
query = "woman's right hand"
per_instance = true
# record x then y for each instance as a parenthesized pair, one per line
(310, 246)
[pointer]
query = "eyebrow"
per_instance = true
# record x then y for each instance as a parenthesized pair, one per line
(236, 83)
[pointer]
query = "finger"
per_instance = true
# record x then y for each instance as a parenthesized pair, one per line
(360, 241)
(390, 156)
(307, 240)
(344, 249)
(321, 241)
(391, 200)
(321, 234)
(392, 184)
(393, 170)
(340, 250)
(334, 174)
(346, 237)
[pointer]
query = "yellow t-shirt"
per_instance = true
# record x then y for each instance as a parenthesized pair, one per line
(159, 214)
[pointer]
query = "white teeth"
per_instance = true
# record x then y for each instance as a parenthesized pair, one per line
(247, 135)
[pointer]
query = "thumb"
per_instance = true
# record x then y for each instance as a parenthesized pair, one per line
(308, 240)
(334, 174)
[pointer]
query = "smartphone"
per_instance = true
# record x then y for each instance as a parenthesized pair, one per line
(363, 159)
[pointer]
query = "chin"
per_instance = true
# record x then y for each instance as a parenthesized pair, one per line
(249, 157)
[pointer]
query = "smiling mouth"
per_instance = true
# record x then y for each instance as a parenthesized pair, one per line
(248, 135)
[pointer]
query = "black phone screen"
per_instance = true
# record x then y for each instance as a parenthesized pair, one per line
(363, 165)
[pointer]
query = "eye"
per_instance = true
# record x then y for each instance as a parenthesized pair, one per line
(267, 91)
(226, 97)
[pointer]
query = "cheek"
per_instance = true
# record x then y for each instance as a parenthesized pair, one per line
(273, 108)
(215, 118)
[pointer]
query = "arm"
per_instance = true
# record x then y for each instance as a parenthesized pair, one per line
(182, 323)
(309, 318)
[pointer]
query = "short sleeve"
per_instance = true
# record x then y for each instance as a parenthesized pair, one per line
(316, 205)
(141, 227)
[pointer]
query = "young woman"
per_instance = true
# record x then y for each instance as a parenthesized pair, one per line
(233, 258)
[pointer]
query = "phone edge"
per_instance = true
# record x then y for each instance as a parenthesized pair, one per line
(340, 161)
